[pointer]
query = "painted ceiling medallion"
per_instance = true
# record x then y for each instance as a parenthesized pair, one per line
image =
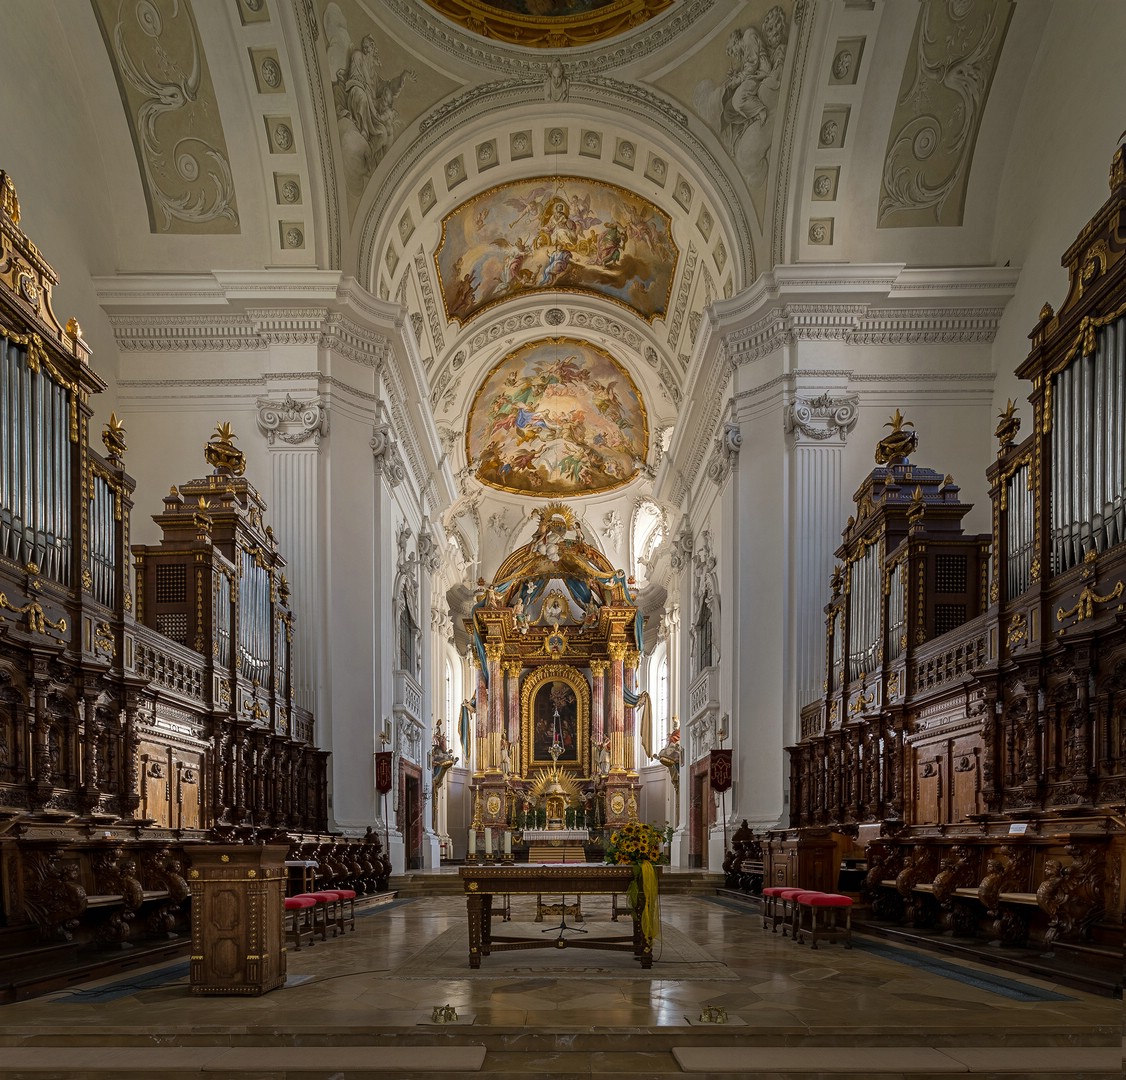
(563, 234)
(557, 417)
(549, 24)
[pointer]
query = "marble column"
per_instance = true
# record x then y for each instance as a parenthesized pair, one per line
(633, 658)
(618, 650)
(597, 705)
(512, 671)
(493, 653)
(481, 723)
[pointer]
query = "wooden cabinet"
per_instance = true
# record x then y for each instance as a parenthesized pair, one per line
(238, 919)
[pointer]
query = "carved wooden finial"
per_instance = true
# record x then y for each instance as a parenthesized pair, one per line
(9, 201)
(113, 437)
(893, 449)
(222, 453)
(1007, 427)
(1047, 311)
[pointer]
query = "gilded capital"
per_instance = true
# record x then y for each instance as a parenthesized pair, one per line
(494, 650)
(512, 668)
(633, 658)
(618, 650)
(598, 667)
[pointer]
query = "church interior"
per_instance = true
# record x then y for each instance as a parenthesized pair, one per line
(656, 465)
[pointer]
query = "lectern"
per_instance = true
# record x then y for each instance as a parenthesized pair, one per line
(238, 919)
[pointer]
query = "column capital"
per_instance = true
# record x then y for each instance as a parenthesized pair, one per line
(617, 650)
(598, 668)
(633, 658)
(385, 450)
(289, 422)
(814, 420)
(494, 650)
(725, 450)
(512, 668)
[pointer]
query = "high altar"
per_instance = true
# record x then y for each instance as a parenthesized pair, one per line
(557, 639)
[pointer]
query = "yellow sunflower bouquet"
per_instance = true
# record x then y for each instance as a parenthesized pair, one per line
(642, 846)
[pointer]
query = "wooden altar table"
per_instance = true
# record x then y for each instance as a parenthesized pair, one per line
(481, 883)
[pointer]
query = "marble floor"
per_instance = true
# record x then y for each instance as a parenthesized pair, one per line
(791, 1012)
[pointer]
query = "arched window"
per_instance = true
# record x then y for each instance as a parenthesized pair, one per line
(661, 700)
(704, 638)
(408, 638)
(451, 696)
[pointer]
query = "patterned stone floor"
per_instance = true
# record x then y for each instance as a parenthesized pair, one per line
(794, 1011)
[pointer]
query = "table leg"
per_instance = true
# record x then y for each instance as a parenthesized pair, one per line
(475, 908)
(486, 925)
(642, 946)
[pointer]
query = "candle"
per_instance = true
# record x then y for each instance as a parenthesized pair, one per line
(507, 842)
(488, 841)
(472, 841)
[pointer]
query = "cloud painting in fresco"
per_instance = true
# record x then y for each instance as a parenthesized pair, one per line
(557, 417)
(559, 234)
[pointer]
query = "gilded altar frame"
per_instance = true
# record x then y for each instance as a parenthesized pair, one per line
(536, 681)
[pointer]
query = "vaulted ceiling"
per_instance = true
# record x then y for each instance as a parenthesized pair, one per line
(548, 182)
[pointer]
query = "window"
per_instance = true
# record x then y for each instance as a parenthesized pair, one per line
(661, 700)
(408, 639)
(704, 638)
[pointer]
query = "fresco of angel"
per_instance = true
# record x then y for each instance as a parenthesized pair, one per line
(741, 108)
(364, 100)
(557, 417)
(560, 233)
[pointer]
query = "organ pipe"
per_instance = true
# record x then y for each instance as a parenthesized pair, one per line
(1088, 509)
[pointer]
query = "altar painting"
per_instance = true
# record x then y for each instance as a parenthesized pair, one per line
(557, 417)
(560, 234)
(555, 719)
(552, 689)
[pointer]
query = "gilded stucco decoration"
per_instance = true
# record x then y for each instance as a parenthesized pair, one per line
(370, 103)
(169, 98)
(942, 97)
(549, 24)
(560, 233)
(743, 104)
(557, 417)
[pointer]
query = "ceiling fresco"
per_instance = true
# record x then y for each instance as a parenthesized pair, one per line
(560, 234)
(557, 417)
(549, 24)
(166, 88)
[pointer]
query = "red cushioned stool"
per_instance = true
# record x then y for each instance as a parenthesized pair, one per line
(771, 906)
(327, 901)
(346, 896)
(827, 915)
(302, 908)
(786, 912)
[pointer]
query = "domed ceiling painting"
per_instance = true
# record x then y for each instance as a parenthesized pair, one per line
(549, 24)
(560, 234)
(557, 417)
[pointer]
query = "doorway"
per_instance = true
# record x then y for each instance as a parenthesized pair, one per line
(700, 814)
(412, 823)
